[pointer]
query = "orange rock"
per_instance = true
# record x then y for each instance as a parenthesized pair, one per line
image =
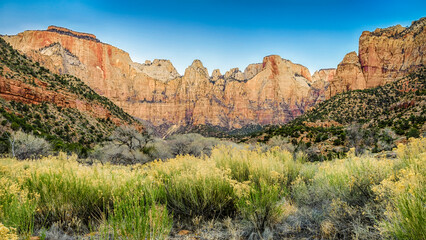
(384, 55)
(272, 92)
(12, 89)
(348, 76)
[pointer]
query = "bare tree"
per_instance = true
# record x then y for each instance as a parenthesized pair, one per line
(126, 146)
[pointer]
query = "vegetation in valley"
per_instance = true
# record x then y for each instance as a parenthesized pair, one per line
(233, 193)
(221, 132)
(126, 145)
(372, 119)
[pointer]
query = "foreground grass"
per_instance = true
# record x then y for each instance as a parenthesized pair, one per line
(271, 194)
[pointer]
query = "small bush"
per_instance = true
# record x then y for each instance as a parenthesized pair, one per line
(262, 206)
(195, 187)
(281, 142)
(126, 146)
(192, 144)
(26, 146)
(274, 167)
(138, 217)
(407, 222)
(404, 193)
(17, 207)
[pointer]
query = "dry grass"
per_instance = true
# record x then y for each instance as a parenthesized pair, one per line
(233, 194)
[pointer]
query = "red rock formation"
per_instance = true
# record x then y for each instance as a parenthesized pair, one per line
(273, 92)
(384, 55)
(348, 76)
(321, 81)
(72, 33)
(16, 90)
(389, 53)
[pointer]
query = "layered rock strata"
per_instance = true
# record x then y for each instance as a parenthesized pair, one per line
(384, 55)
(272, 92)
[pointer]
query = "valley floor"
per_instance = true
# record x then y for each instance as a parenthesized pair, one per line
(236, 193)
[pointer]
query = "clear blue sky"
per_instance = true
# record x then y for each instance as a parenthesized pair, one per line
(222, 34)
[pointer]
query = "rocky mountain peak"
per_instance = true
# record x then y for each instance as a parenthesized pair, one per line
(325, 75)
(66, 31)
(196, 70)
(252, 70)
(160, 69)
(197, 64)
(234, 74)
(350, 58)
(216, 75)
(271, 61)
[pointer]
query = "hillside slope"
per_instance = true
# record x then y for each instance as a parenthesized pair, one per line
(373, 119)
(60, 108)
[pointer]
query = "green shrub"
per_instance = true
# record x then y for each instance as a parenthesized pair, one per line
(408, 222)
(196, 187)
(413, 132)
(67, 198)
(138, 217)
(25, 146)
(262, 206)
(17, 206)
(15, 126)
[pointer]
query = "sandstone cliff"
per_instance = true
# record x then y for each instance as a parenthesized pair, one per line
(24, 81)
(384, 55)
(321, 81)
(272, 92)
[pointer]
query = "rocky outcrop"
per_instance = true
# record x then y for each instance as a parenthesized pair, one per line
(37, 93)
(272, 92)
(321, 80)
(348, 76)
(66, 31)
(326, 75)
(390, 53)
(159, 69)
(384, 55)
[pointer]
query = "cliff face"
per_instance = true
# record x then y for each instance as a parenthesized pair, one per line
(348, 76)
(24, 81)
(12, 89)
(389, 53)
(384, 55)
(321, 81)
(272, 92)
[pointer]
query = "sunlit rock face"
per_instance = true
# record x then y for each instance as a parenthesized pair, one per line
(384, 55)
(272, 92)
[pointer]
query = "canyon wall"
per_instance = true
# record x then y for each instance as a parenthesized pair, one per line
(272, 92)
(384, 55)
